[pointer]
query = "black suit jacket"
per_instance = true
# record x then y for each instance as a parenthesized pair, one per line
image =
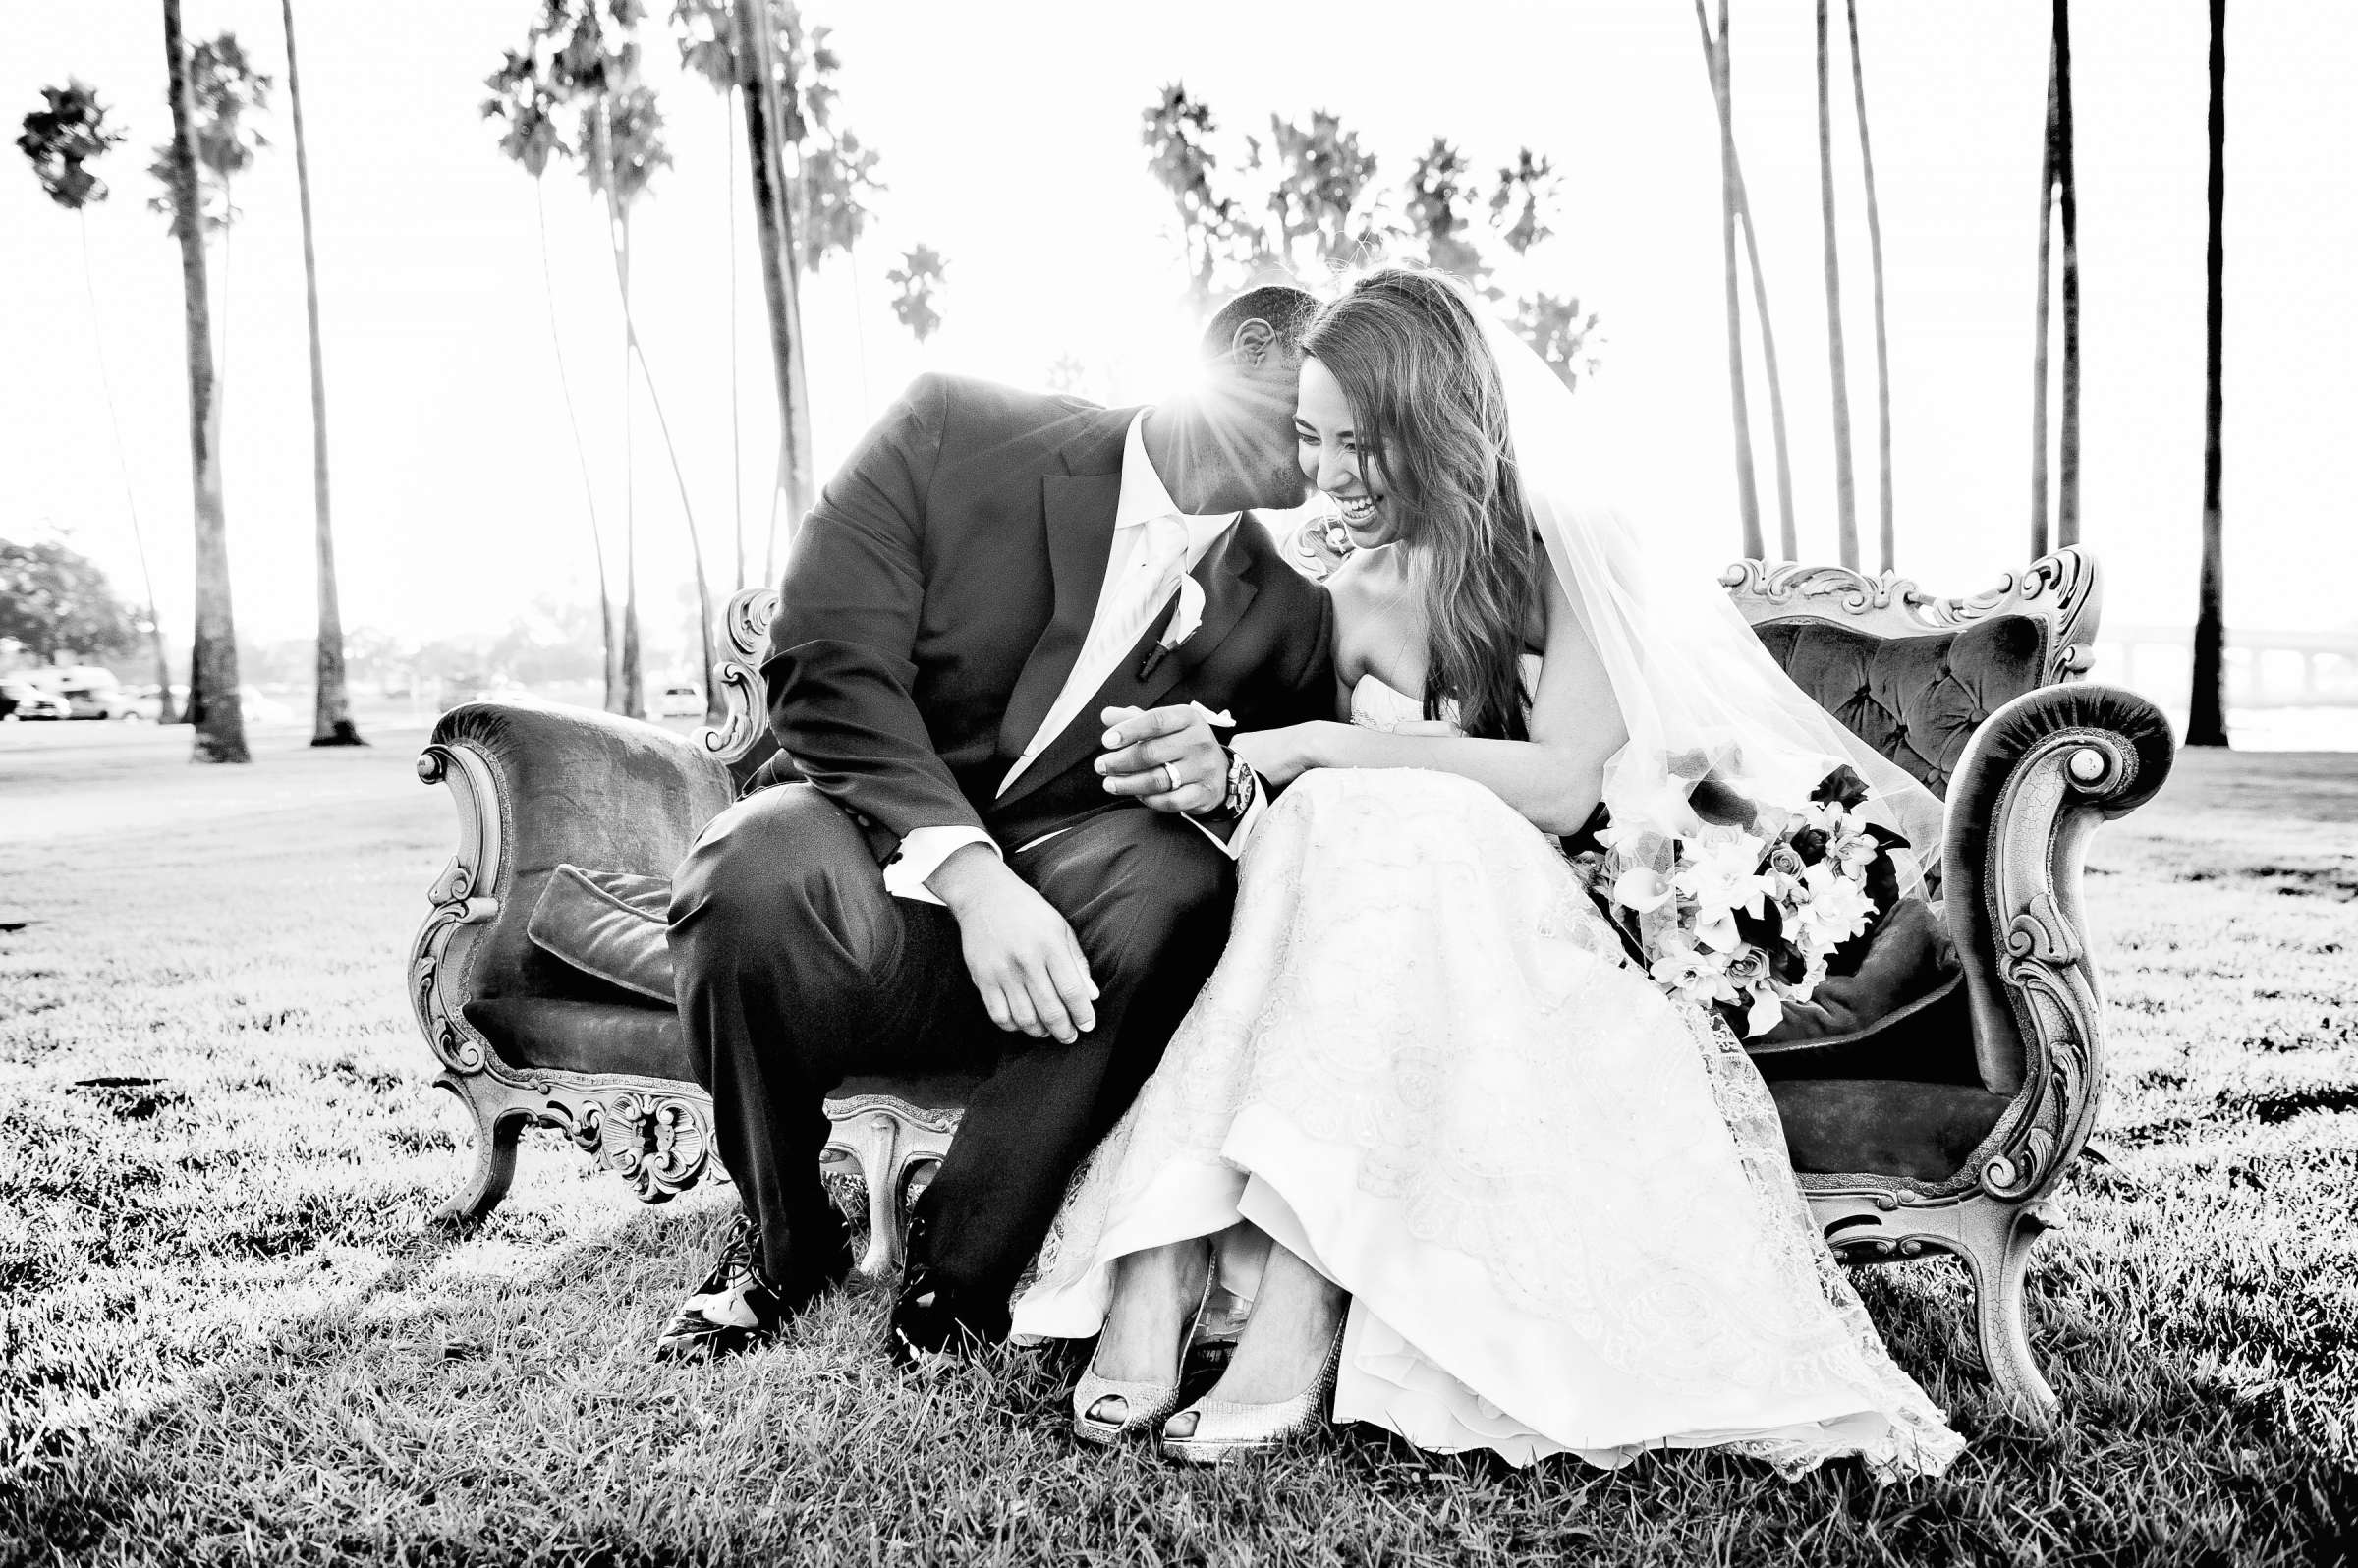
(938, 597)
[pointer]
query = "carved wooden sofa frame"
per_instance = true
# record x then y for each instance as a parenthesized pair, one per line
(2041, 771)
(2036, 778)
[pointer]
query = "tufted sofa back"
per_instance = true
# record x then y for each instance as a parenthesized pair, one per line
(1917, 700)
(1911, 674)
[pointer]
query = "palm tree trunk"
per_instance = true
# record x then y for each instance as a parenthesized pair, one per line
(2207, 704)
(229, 210)
(634, 684)
(215, 707)
(766, 162)
(2067, 201)
(728, 105)
(581, 457)
(131, 504)
(1748, 494)
(2039, 324)
(1787, 537)
(1846, 501)
(1885, 536)
(777, 496)
(714, 710)
(1788, 542)
(331, 704)
(618, 238)
(635, 697)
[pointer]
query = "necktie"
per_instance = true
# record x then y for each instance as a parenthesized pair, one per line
(1158, 560)
(1156, 563)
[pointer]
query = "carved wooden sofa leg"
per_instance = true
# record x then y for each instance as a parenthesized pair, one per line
(1996, 1239)
(883, 1141)
(500, 1114)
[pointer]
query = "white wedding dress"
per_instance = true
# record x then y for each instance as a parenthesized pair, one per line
(1559, 1201)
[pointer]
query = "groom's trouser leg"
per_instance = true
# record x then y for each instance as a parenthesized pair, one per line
(795, 968)
(1149, 898)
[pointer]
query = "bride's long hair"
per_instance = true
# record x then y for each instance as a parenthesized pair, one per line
(1430, 411)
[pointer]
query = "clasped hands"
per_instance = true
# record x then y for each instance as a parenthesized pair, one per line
(1022, 955)
(1167, 757)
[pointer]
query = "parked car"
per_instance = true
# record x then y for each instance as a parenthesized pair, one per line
(683, 701)
(101, 699)
(22, 700)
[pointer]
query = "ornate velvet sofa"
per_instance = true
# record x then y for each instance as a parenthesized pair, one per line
(1945, 1128)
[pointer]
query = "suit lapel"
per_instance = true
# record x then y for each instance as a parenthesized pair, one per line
(1079, 511)
(1227, 593)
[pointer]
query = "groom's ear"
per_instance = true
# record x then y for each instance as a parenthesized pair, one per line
(1254, 345)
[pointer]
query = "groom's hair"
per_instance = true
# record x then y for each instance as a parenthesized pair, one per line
(1287, 310)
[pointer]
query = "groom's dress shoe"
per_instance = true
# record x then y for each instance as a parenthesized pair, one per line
(932, 1318)
(738, 1307)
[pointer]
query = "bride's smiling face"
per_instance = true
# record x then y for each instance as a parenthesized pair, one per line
(1329, 451)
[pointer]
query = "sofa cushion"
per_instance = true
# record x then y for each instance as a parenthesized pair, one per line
(613, 925)
(1917, 700)
(608, 1038)
(1841, 1126)
(1899, 1013)
(566, 1035)
(569, 785)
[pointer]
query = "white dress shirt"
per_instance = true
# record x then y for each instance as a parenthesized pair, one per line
(1153, 543)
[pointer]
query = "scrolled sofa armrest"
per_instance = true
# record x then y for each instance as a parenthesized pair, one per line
(2035, 781)
(538, 786)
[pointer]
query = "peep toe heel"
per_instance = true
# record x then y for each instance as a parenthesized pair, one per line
(1226, 1431)
(1143, 1402)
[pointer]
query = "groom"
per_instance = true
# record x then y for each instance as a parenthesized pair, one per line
(1010, 622)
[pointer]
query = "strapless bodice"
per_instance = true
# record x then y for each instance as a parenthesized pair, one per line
(1378, 705)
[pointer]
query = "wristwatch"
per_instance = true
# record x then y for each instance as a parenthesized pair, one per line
(1243, 782)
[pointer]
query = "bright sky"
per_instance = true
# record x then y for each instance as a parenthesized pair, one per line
(1010, 135)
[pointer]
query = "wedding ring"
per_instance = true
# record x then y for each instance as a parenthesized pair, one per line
(1170, 779)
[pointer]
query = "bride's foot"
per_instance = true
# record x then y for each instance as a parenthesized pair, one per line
(1133, 1380)
(1277, 1382)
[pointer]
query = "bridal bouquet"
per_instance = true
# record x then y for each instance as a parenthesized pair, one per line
(1743, 916)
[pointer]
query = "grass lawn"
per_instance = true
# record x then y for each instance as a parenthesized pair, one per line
(228, 1330)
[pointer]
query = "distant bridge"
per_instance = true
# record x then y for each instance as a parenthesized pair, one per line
(2310, 669)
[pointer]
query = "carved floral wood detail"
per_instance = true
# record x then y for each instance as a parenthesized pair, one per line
(2060, 590)
(654, 1133)
(1998, 1204)
(738, 674)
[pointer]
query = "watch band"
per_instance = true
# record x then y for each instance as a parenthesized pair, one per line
(1237, 796)
(1234, 796)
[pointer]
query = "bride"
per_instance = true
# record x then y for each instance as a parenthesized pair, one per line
(1478, 1177)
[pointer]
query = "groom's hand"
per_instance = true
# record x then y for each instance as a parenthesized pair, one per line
(1167, 756)
(1023, 959)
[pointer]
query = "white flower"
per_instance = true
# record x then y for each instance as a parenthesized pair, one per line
(1697, 977)
(1748, 965)
(1854, 852)
(1641, 888)
(1188, 617)
(1767, 1011)
(1837, 909)
(1715, 928)
(1723, 874)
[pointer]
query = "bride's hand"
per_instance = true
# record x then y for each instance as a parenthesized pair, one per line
(1280, 756)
